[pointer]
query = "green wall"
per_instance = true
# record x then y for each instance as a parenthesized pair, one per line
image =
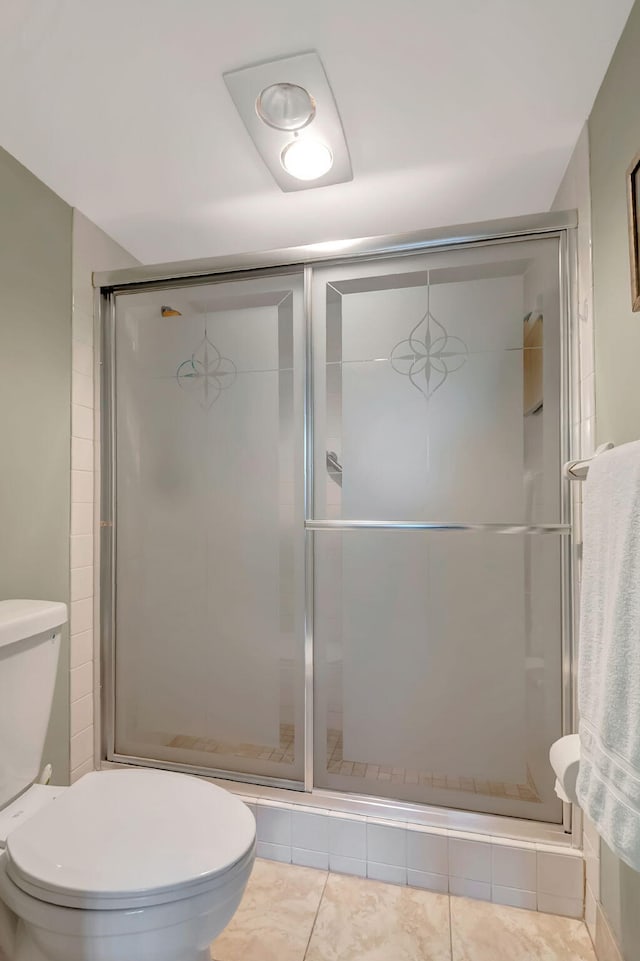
(614, 137)
(35, 409)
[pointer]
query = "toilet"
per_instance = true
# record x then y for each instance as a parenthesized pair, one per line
(124, 865)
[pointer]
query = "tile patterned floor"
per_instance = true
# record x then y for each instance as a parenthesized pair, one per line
(291, 913)
(337, 764)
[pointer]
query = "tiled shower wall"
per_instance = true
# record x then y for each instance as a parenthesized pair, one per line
(92, 250)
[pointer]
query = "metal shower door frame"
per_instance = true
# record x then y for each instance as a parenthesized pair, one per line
(560, 225)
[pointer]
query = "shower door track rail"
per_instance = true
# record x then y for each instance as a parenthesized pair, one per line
(108, 284)
(552, 223)
(362, 525)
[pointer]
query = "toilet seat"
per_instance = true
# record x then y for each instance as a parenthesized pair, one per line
(131, 839)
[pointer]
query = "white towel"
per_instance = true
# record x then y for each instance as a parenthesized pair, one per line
(608, 785)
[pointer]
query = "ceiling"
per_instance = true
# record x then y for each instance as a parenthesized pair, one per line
(454, 111)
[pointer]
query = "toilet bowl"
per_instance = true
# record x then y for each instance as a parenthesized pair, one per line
(126, 866)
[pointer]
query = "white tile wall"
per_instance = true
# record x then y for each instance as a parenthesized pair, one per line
(310, 859)
(514, 868)
(344, 865)
(590, 911)
(514, 898)
(274, 852)
(347, 838)
(92, 250)
(81, 682)
(470, 860)
(274, 824)
(560, 876)
(386, 844)
(518, 873)
(554, 904)
(427, 852)
(464, 888)
(310, 831)
(431, 882)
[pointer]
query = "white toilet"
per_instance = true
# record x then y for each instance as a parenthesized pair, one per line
(125, 865)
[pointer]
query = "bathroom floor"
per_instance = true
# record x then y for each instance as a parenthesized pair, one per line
(291, 913)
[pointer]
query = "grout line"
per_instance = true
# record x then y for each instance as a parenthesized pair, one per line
(450, 928)
(316, 916)
(78, 733)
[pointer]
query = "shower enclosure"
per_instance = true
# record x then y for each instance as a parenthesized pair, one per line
(335, 552)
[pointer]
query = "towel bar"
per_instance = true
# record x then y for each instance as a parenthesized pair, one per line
(578, 469)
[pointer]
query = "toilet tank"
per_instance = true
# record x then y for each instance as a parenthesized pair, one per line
(29, 648)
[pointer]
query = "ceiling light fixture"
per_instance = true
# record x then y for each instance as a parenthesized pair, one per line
(307, 159)
(290, 113)
(286, 106)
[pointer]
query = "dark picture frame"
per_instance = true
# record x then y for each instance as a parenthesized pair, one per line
(633, 203)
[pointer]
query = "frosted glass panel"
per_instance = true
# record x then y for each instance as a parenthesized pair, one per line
(438, 668)
(209, 550)
(439, 387)
(437, 398)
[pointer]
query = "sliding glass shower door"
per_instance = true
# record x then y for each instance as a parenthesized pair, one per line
(438, 647)
(338, 551)
(209, 545)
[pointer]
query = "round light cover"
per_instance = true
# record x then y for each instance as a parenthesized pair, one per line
(307, 159)
(286, 106)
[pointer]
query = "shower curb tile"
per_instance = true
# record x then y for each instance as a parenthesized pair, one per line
(514, 867)
(309, 809)
(310, 831)
(470, 860)
(565, 907)
(278, 805)
(310, 859)
(513, 843)
(386, 844)
(274, 824)
(348, 838)
(429, 882)
(428, 852)
(347, 816)
(560, 875)
(344, 865)
(469, 836)
(465, 888)
(514, 897)
(464, 863)
(427, 829)
(273, 852)
(544, 847)
(387, 822)
(391, 873)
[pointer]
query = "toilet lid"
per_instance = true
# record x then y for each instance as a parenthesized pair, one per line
(121, 836)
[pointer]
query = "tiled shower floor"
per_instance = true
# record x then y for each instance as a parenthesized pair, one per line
(337, 764)
(291, 913)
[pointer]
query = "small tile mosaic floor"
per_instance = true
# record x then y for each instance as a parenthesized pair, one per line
(291, 913)
(338, 764)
